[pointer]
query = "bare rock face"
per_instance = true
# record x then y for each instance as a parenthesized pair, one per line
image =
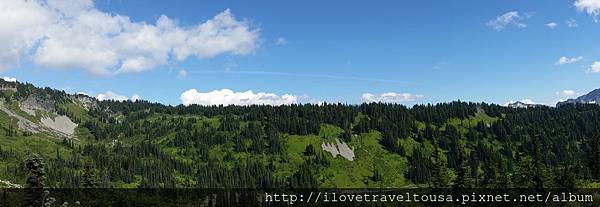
(22, 123)
(34, 102)
(87, 102)
(339, 148)
(60, 124)
(27, 110)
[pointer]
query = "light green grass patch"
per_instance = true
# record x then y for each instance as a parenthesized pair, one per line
(370, 156)
(330, 132)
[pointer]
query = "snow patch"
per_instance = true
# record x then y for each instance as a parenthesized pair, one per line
(9, 79)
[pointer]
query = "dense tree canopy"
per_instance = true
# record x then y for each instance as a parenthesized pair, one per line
(455, 144)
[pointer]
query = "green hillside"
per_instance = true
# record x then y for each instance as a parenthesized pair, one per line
(141, 144)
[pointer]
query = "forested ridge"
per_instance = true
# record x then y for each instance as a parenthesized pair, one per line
(456, 144)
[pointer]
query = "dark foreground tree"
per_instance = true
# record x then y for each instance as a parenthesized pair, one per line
(35, 196)
(90, 180)
(595, 157)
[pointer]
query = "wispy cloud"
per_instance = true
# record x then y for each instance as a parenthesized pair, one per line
(512, 18)
(566, 60)
(595, 67)
(566, 93)
(390, 97)
(182, 74)
(301, 75)
(440, 65)
(571, 23)
(281, 41)
(552, 25)
(229, 66)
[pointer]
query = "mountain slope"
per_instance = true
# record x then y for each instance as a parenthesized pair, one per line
(150, 145)
(592, 97)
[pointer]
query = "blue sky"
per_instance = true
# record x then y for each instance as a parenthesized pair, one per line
(334, 51)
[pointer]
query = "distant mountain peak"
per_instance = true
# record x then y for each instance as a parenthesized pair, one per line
(520, 104)
(592, 97)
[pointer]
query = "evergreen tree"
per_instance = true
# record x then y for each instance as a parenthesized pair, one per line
(347, 134)
(377, 177)
(540, 177)
(463, 172)
(35, 196)
(524, 173)
(208, 145)
(440, 174)
(90, 180)
(566, 177)
(595, 157)
(309, 150)
(419, 171)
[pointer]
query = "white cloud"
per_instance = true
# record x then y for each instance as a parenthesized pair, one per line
(21, 25)
(556, 102)
(592, 7)
(552, 25)
(109, 95)
(229, 97)
(507, 19)
(565, 60)
(82, 93)
(281, 41)
(182, 73)
(390, 97)
(529, 101)
(595, 67)
(66, 34)
(571, 22)
(136, 64)
(566, 93)
(9, 79)
(136, 97)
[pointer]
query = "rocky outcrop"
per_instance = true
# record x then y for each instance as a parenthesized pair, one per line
(33, 103)
(23, 123)
(339, 148)
(519, 104)
(60, 124)
(87, 102)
